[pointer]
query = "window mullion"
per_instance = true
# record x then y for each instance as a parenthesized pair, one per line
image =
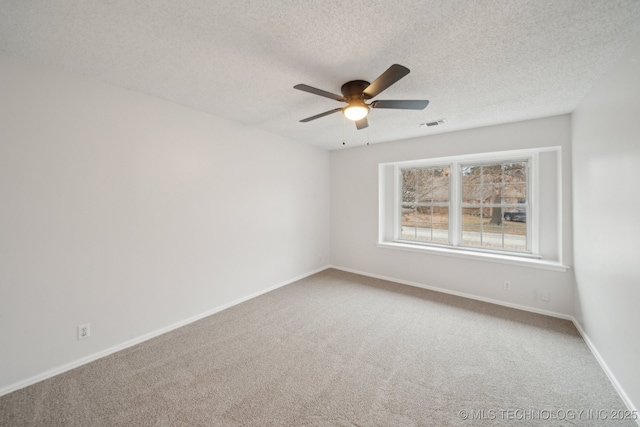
(455, 197)
(532, 204)
(398, 203)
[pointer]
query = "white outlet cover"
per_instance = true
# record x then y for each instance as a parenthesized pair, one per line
(84, 331)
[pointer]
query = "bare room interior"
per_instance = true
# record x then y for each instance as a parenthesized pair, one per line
(194, 229)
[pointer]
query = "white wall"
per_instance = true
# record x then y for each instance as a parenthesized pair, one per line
(133, 213)
(354, 219)
(606, 202)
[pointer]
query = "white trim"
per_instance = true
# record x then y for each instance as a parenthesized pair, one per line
(559, 202)
(397, 202)
(382, 216)
(95, 356)
(398, 197)
(605, 368)
(496, 155)
(455, 201)
(455, 163)
(532, 236)
(522, 261)
(616, 385)
(458, 294)
(533, 197)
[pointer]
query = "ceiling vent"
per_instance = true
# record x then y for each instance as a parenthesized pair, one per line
(436, 123)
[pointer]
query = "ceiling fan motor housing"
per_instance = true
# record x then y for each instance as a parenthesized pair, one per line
(353, 91)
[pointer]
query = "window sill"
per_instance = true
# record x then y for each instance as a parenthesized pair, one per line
(478, 256)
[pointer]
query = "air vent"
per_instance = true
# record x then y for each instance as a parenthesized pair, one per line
(436, 123)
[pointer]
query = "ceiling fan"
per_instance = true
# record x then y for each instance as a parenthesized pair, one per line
(356, 92)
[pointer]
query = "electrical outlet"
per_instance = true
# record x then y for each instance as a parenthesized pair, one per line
(507, 286)
(545, 296)
(84, 331)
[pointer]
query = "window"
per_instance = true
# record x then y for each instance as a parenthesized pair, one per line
(501, 207)
(494, 205)
(425, 204)
(490, 211)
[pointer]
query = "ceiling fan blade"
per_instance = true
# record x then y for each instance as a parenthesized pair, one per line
(362, 123)
(317, 116)
(386, 79)
(313, 90)
(401, 105)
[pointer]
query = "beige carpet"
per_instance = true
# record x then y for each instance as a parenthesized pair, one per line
(337, 349)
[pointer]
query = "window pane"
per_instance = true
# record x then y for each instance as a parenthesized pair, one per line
(492, 239)
(440, 177)
(515, 172)
(441, 194)
(409, 217)
(494, 218)
(471, 235)
(441, 214)
(515, 193)
(494, 228)
(515, 215)
(408, 186)
(440, 183)
(515, 239)
(427, 224)
(492, 193)
(408, 233)
(491, 174)
(424, 185)
(487, 225)
(472, 194)
(421, 189)
(424, 213)
(430, 185)
(471, 175)
(492, 209)
(440, 225)
(471, 217)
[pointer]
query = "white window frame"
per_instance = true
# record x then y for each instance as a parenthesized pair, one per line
(398, 202)
(455, 165)
(532, 246)
(389, 233)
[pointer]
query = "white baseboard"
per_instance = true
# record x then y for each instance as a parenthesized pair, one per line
(79, 362)
(83, 361)
(459, 294)
(616, 385)
(605, 368)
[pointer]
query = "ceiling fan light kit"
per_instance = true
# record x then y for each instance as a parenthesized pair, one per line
(356, 92)
(355, 112)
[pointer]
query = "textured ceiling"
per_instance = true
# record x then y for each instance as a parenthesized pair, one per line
(479, 62)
